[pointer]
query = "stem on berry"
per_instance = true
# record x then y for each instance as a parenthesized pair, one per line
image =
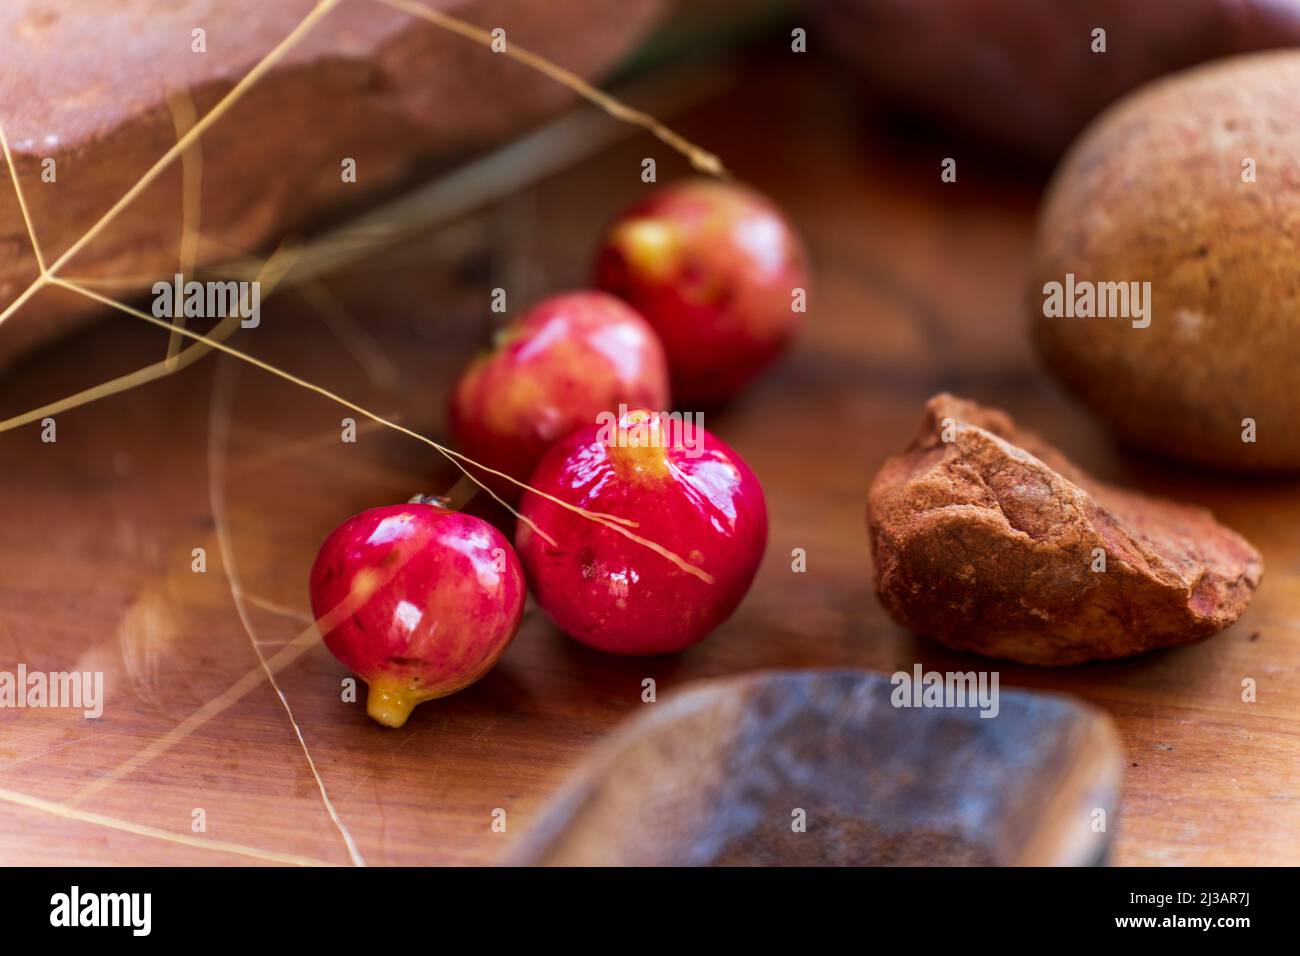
(438, 501)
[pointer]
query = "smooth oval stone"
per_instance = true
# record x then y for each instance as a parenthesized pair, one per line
(1159, 189)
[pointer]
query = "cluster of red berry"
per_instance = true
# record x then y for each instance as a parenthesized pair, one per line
(637, 536)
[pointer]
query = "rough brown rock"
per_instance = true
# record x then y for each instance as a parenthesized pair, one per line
(87, 84)
(987, 543)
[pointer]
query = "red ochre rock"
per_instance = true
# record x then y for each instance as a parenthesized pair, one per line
(989, 540)
(87, 86)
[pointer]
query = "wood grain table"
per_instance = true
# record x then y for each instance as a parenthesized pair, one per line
(224, 709)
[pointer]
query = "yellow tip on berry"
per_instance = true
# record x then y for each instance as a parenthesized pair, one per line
(640, 445)
(649, 246)
(390, 704)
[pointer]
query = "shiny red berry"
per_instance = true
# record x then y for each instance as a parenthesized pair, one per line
(719, 273)
(676, 487)
(567, 359)
(417, 600)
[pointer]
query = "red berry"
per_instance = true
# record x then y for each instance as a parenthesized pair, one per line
(715, 269)
(417, 600)
(685, 491)
(566, 360)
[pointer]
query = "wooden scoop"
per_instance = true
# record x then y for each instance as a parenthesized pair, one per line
(726, 772)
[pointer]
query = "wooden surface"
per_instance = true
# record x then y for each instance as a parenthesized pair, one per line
(919, 288)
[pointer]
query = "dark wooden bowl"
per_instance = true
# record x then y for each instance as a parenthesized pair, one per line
(718, 775)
